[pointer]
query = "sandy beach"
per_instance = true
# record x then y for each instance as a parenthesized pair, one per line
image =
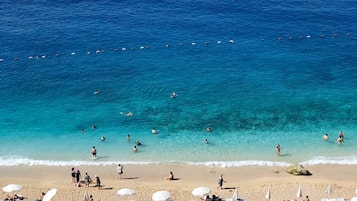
(252, 182)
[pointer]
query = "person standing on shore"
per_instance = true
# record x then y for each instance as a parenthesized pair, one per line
(73, 174)
(78, 176)
(120, 170)
(87, 179)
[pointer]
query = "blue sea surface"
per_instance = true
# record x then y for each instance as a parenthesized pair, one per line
(259, 73)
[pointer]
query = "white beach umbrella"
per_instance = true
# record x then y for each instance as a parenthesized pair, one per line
(126, 191)
(299, 193)
(161, 196)
(49, 195)
(201, 191)
(354, 199)
(267, 196)
(329, 190)
(11, 188)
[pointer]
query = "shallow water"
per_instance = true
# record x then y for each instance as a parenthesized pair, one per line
(255, 91)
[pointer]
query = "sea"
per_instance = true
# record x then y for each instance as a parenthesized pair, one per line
(257, 73)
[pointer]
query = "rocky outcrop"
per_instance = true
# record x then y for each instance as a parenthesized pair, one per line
(298, 170)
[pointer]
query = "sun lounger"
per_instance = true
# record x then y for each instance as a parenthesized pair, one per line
(333, 199)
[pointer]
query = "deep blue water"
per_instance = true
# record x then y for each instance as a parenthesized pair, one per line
(257, 73)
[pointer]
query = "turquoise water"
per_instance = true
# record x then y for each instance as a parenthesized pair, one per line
(254, 92)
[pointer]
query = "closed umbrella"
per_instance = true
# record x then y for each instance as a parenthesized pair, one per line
(329, 190)
(49, 195)
(125, 191)
(201, 191)
(11, 188)
(235, 195)
(86, 196)
(267, 196)
(161, 196)
(299, 193)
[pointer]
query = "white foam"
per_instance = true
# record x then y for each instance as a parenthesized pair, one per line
(347, 160)
(19, 160)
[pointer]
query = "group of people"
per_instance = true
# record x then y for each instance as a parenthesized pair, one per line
(76, 178)
(76, 175)
(340, 139)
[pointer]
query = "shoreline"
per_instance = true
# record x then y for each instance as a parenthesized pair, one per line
(252, 182)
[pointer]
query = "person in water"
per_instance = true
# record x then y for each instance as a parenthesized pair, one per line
(173, 95)
(278, 150)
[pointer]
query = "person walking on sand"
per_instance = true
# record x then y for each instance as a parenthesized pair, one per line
(94, 153)
(278, 150)
(220, 182)
(120, 170)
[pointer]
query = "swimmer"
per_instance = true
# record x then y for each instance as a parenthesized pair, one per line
(206, 141)
(102, 138)
(137, 142)
(339, 140)
(94, 127)
(153, 131)
(128, 138)
(325, 137)
(209, 129)
(173, 95)
(341, 134)
(135, 149)
(82, 130)
(96, 92)
(129, 114)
